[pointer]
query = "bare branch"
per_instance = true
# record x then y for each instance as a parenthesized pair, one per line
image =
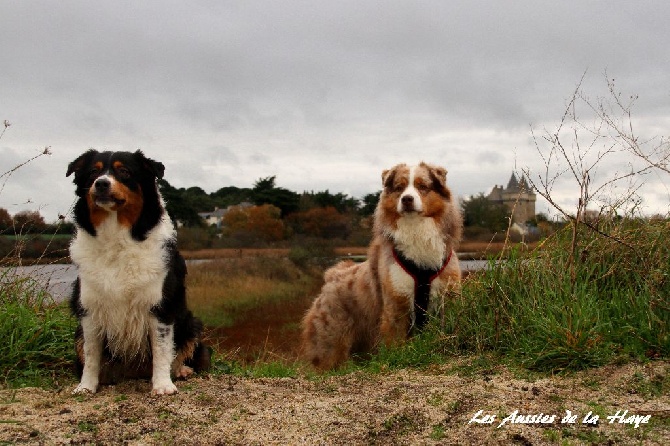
(608, 140)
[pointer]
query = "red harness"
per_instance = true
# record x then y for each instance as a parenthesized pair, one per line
(423, 278)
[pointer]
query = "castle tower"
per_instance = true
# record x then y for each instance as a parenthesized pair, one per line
(518, 197)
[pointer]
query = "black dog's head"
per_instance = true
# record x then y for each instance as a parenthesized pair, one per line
(117, 184)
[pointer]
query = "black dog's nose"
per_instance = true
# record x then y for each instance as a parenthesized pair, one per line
(102, 185)
(407, 200)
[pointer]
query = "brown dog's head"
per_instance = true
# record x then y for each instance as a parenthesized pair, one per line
(417, 191)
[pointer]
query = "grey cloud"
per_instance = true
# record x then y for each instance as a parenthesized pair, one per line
(227, 91)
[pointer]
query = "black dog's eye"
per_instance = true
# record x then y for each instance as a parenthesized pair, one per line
(123, 172)
(94, 172)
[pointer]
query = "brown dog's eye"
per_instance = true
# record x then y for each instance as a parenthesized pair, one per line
(422, 188)
(399, 187)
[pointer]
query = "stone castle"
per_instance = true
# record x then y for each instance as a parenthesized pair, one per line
(518, 197)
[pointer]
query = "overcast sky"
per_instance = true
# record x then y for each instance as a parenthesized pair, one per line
(322, 94)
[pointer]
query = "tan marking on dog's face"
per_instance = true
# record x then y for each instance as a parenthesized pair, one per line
(96, 213)
(129, 211)
(127, 203)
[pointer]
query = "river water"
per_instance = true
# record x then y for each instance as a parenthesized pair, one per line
(58, 279)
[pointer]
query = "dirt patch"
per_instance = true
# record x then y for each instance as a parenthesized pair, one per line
(433, 406)
(268, 333)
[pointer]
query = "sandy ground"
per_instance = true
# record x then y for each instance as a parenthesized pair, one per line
(435, 406)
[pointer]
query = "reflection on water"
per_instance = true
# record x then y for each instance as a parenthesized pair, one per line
(58, 279)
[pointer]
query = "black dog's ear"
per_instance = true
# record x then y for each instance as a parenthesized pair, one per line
(156, 168)
(76, 165)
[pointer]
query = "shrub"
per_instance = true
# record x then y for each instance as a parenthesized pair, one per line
(193, 238)
(306, 251)
(261, 223)
(323, 222)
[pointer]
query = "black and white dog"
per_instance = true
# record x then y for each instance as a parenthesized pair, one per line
(130, 295)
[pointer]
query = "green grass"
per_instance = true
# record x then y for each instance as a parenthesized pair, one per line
(274, 369)
(530, 308)
(36, 347)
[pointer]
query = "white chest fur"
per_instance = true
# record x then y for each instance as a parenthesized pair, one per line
(420, 240)
(121, 279)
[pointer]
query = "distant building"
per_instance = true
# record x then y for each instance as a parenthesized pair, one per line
(518, 197)
(215, 217)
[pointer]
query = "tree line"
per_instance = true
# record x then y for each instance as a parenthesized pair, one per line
(184, 204)
(31, 222)
(266, 214)
(269, 214)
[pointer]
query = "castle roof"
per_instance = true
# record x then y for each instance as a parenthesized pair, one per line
(523, 184)
(515, 185)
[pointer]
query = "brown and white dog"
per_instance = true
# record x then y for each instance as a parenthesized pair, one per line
(129, 297)
(411, 262)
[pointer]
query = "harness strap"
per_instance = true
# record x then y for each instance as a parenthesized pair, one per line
(423, 278)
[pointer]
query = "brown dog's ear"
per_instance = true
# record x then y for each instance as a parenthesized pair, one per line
(439, 176)
(388, 176)
(440, 173)
(76, 165)
(384, 174)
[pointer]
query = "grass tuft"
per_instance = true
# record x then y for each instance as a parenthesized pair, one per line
(36, 334)
(532, 309)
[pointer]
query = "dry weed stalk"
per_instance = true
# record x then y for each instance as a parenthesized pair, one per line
(10, 172)
(5, 176)
(586, 148)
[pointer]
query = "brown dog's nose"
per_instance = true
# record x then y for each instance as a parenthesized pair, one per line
(407, 200)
